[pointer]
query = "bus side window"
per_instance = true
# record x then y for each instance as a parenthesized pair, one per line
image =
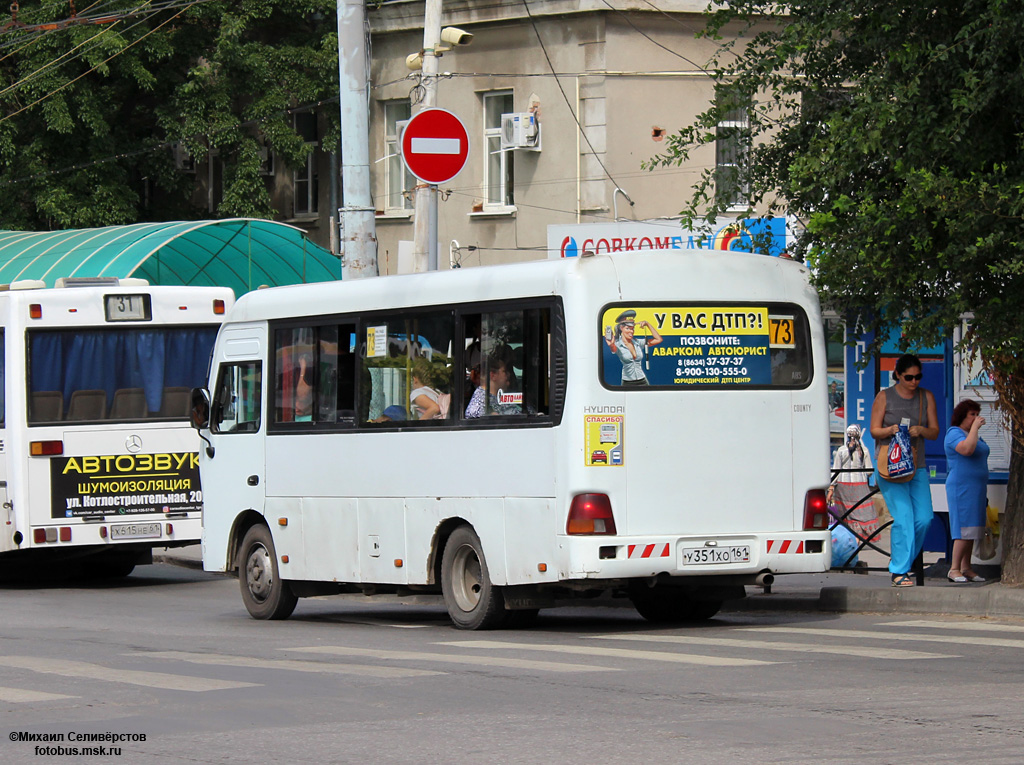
(513, 376)
(236, 400)
(408, 372)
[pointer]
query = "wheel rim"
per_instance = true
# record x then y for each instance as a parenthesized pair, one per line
(467, 578)
(259, 573)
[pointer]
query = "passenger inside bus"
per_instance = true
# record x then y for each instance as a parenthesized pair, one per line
(304, 390)
(500, 397)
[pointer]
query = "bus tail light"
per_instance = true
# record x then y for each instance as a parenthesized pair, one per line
(815, 510)
(169, 529)
(41, 536)
(218, 306)
(46, 448)
(35, 311)
(590, 514)
(103, 532)
(65, 533)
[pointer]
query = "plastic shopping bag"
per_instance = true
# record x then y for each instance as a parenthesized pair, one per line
(844, 547)
(900, 459)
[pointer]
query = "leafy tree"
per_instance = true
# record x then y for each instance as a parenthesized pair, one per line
(893, 132)
(88, 110)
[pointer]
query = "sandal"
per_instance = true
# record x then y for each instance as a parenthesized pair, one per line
(959, 578)
(902, 580)
(971, 576)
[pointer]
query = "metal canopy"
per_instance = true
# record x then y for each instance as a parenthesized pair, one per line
(240, 253)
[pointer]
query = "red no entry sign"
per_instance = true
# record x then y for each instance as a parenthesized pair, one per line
(435, 146)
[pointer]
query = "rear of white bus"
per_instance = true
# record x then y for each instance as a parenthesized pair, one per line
(102, 463)
(701, 457)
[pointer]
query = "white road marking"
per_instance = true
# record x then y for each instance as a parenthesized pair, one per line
(453, 658)
(435, 146)
(861, 634)
(20, 696)
(223, 660)
(619, 653)
(771, 645)
(66, 668)
(972, 625)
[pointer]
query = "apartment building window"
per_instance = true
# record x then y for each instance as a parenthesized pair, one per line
(498, 165)
(732, 145)
(306, 180)
(398, 181)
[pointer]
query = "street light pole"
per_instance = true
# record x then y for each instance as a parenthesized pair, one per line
(358, 238)
(425, 224)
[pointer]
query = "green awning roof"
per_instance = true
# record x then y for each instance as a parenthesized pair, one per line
(240, 253)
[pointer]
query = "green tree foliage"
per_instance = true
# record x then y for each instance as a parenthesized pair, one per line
(89, 110)
(893, 131)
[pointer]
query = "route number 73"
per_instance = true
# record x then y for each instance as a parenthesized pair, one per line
(781, 332)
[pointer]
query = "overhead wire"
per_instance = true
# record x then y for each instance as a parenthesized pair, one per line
(575, 117)
(97, 66)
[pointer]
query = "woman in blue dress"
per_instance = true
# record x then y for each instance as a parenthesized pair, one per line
(966, 487)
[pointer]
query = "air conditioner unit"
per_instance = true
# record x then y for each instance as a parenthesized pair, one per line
(520, 130)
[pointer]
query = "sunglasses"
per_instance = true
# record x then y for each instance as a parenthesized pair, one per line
(908, 378)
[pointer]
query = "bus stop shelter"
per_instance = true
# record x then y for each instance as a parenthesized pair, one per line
(240, 253)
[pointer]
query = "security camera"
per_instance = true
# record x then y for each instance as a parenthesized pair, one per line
(455, 36)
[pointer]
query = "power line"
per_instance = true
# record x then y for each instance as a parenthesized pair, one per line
(97, 66)
(568, 105)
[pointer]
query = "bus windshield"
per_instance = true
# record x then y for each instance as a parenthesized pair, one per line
(115, 374)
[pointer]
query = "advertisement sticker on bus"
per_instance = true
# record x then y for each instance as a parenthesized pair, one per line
(125, 484)
(693, 345)
(603, 439)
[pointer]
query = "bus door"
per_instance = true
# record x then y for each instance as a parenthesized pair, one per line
(236, 414)
(6, 506)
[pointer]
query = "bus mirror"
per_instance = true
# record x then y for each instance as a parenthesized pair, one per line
(200, 410)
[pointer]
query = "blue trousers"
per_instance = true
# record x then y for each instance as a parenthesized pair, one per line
(910, 505)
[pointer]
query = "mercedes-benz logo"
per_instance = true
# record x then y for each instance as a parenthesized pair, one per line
(133, 444)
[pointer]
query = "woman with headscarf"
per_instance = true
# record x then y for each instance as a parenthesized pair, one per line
(848, 488)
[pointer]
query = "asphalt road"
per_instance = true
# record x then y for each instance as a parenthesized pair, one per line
(170, 654)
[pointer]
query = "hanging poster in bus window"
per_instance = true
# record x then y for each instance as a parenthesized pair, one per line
(125, 484)
(701, 346)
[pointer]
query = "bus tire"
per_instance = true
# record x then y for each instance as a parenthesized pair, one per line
(473, 602)
(264, 593)
(671, 605)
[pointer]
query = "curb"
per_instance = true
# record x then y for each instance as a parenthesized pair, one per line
(989, 600)
(176, 560)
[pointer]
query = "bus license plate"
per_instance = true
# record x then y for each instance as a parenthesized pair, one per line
(135, 531)
(697, 556)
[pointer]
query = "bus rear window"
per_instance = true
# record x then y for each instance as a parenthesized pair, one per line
(123, 375)
(720, 345)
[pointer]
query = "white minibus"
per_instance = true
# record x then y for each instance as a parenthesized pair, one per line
(651, 425)
(98, 464)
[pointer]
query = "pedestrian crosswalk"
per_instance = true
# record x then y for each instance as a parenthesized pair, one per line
(717, 648)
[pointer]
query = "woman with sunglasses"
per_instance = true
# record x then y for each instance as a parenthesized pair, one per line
(910, 503)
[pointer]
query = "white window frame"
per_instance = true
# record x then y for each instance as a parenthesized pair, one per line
(307, 203)
(731, 154)
(504, 199)
(398, 181)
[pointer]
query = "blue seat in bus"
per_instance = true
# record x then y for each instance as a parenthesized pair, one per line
(129, 404)
(88, 405)
(47, 406)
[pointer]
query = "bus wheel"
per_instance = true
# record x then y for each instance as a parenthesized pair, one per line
(265, 594)
(671, 605)
(473, 602)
